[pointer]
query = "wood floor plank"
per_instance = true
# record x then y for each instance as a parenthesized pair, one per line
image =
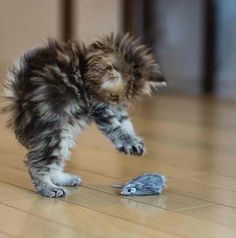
(201, 191)
(199, 117)
(167, 200)
(171, 223)
(195, 135)
(5, 235)
(216, 180)
(8, 192)
(191, 157)
(155, 217)
(207, 107)
(85, 220)
(133, 211)
(181, 139)
(126, 168)
(214, 213)
(175, 185)
(173, 160)
(20, 224)
(15, 177)
(188, 160)
(12, 160)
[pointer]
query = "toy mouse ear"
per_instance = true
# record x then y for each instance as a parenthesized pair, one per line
(156, 77)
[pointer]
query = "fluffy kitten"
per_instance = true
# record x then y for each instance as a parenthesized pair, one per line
(53, 92)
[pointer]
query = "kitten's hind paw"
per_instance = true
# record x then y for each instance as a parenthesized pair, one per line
(75, 181)
(51, 191)
(65, 179)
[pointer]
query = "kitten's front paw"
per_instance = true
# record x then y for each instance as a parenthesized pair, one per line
(133, 147)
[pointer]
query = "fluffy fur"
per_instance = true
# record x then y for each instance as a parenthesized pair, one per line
(55, 91)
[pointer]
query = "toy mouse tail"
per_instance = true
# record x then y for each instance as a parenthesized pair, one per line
(117, 185)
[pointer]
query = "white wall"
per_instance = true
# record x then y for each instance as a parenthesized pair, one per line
(226, 55)
(179, 47)
(96, 17)
(25, 24)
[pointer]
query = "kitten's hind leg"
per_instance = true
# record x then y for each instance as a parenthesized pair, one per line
(68, 135)
(49, 148)
(42, 174)
(44, 158)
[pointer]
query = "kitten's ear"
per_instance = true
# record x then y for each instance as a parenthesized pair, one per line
(156, 77)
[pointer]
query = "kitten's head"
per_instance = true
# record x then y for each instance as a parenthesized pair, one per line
(121, 68)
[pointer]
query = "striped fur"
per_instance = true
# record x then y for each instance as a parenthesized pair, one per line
(55, 91)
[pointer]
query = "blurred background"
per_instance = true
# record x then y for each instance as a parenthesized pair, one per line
(189, 129)
(193, 40)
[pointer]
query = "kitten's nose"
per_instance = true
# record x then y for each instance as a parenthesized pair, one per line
(117, 76)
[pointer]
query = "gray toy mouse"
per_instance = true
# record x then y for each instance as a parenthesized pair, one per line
(146, 184)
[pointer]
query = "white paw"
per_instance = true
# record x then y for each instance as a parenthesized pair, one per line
(65, 179)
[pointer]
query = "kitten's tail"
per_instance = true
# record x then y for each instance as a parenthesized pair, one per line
(10, 95)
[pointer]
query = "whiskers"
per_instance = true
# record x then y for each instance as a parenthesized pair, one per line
(153, 90)
(154, 87)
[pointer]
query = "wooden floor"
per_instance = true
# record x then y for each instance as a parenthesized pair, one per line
(190, 140)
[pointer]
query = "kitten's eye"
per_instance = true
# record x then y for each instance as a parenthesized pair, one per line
(109, 67)
(137, 75)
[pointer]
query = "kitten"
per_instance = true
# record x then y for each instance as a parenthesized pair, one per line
(55, 91)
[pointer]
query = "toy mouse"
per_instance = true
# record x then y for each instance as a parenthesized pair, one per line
(146, 184)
